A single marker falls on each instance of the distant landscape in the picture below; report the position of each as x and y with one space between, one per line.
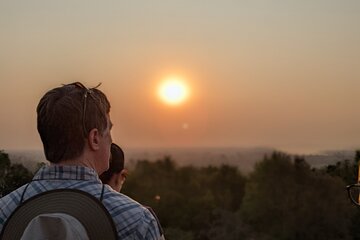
243 158
219 202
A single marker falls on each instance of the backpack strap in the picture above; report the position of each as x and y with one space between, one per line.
102 193
23 193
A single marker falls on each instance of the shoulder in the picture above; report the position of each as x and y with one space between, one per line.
130 217
9 203
156 218
12 199
120 204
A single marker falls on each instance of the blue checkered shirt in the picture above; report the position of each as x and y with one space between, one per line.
132 220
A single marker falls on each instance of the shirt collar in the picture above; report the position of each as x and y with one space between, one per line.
66 172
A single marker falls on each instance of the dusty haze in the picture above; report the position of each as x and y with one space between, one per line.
278 74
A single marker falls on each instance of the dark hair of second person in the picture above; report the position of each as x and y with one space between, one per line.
116 174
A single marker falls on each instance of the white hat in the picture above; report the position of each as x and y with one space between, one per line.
55 226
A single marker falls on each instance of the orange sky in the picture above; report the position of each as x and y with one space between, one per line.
281 74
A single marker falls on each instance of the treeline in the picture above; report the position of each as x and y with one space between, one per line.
12 176
283 198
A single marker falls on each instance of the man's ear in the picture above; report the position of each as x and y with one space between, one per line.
94 139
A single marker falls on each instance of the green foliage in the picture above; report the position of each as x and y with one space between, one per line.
16 176
4 161
4 166
347 170
178 234
357 157
286 200
12 176
184 198
283 198
230 226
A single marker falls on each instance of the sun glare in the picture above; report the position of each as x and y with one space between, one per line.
173 91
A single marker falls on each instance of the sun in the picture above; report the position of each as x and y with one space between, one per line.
173 91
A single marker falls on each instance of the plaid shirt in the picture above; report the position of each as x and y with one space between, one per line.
132 220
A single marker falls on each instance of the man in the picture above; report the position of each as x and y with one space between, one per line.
74 126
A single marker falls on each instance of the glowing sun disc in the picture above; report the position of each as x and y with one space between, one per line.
173 91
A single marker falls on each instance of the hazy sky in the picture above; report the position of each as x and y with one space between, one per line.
283 74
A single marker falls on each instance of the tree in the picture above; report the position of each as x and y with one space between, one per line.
230 226
185 198
4 161
287 200
357 156
4 166
12 176
16 176
347 170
